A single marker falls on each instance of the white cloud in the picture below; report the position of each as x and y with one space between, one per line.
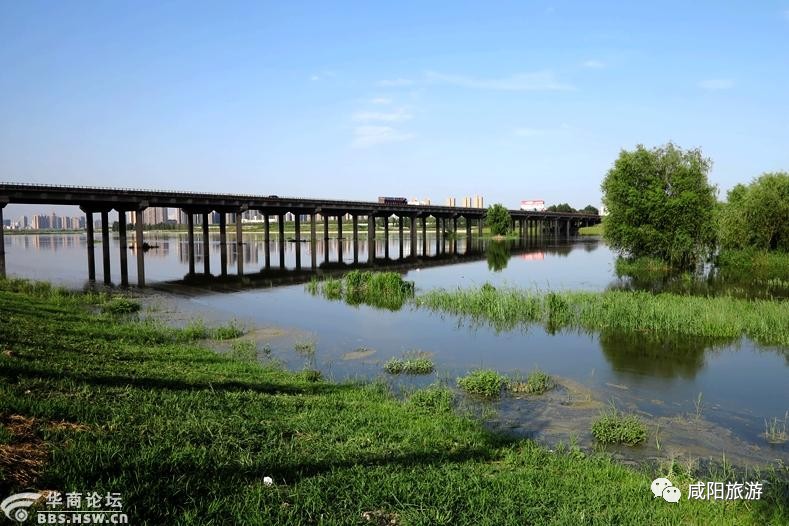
594 64
366 136
716 84
537 81
399 115
380 100
395 83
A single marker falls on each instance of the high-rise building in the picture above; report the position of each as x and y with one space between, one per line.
154 215
479 202
450 201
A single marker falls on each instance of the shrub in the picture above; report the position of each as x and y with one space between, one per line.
483 382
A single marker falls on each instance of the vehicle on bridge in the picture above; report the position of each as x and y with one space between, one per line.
533 205
392 201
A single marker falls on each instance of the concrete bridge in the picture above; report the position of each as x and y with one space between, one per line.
97 200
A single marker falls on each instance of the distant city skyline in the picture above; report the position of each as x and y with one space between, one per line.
511 101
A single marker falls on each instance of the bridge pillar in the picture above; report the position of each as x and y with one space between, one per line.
122 246
412 229
206 255
90 242
424 235
190 240
355 241
370 237
520 228
325 227
266 241
567 227
313 242
400 234
223 243
281 239
339 226
239 245
480 224
297 226
138 243
468 231
105 242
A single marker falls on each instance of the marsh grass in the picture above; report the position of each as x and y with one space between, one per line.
385 290
537 382
764 321
776 430
435 399
305 348
483 382
119 306
615 427
414 362
243 351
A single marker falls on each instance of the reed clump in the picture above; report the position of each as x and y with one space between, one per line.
385 290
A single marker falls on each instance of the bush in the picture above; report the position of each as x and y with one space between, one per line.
660 205
613 427
483 382
498 219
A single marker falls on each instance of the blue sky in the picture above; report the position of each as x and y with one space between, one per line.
511 100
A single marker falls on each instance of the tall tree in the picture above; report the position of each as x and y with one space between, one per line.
660 204
498 219
757 215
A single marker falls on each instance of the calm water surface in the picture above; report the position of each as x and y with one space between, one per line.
741 384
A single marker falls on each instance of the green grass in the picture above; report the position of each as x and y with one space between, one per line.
764 321
750 265
594 230
615 427
483 382
120 306
385 290
409 366
435 398
187 435
537 382
643 268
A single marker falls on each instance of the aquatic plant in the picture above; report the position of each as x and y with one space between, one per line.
763 321
537 382
243 351
409 365
387 290
120 305
614 427
434 398
776 431
483 382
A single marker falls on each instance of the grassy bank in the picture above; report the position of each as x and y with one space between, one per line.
594 230
753 264
763 321
97 402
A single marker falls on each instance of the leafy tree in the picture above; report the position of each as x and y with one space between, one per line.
660 204
498 219
564 207
757 215
589 209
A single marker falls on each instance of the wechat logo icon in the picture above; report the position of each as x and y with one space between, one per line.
663 487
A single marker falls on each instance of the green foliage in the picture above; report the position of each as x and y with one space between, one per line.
119 305
483 382
643 267
614 427
595 230
537 382
498 219
589 209
660 205
757 216
243 351
435 398
412 363
753 265
562 207
385 290
764 321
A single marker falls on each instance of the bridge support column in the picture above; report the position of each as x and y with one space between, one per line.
122 246
412 230
206 255
313 243
567 227
370 238
190 240
438 235
520 228
239 245
266 241
480 223
424 235
355 219
138 243
325 227
400 234
297 226
281 239
105 248
468 230
223 243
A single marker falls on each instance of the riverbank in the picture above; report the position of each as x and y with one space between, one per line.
97 401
